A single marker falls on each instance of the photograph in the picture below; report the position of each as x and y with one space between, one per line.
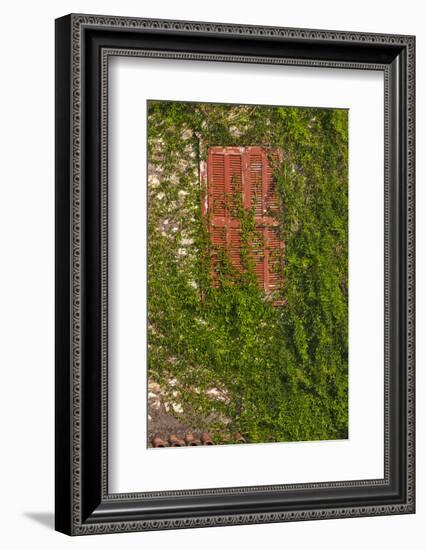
209 287
247 274
234 273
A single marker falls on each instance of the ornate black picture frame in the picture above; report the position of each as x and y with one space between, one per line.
84 44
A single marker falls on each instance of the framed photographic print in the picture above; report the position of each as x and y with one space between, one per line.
234 274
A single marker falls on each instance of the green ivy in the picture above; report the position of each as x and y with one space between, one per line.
283 371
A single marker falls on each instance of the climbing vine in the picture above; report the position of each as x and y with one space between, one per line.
233 361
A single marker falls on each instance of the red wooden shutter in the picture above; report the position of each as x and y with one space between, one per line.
216 206
233 161
224 176
244 174
261 188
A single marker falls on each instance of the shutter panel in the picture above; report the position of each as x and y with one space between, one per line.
216 208
255 180
218 245
256 183
271 195
224 197
235 177
235 246
217 184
